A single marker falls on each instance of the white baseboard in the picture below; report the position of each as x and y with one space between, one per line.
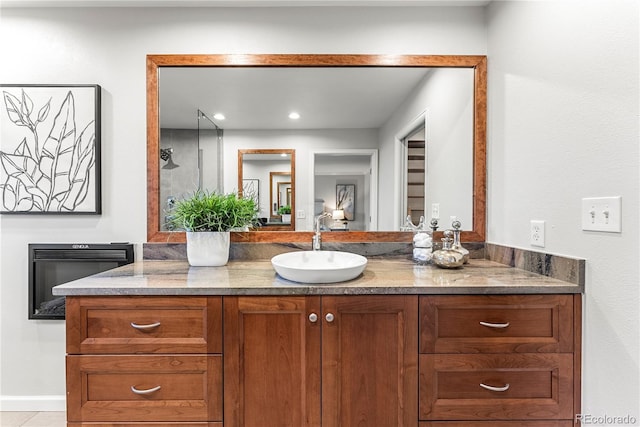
32 403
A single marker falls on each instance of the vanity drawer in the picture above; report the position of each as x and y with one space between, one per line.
132 324
496 324
496 386
545 423
143 424
157 388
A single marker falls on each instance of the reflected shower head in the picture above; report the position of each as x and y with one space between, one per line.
165 154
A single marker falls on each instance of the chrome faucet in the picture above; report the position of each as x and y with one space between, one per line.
316 242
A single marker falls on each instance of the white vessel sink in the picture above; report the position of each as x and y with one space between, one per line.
319 266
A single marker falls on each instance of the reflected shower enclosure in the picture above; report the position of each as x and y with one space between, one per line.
183 152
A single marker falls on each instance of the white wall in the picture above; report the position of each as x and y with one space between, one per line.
108 47
563 125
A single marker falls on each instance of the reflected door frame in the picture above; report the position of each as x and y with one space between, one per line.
400 161
373 181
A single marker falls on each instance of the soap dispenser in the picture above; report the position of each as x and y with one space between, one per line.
456 245
447 257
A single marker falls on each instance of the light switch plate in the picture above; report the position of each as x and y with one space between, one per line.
602 214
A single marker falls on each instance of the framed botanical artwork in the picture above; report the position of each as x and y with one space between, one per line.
346 199
50 149
251 189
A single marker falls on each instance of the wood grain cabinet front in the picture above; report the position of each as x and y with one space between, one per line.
496 324
144 325
137 388
321 361
137 360
324 361
496 386
499 360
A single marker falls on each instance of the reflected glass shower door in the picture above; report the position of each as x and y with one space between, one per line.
190 159
210 163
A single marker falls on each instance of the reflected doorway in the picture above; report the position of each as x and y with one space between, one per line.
345 184
416 155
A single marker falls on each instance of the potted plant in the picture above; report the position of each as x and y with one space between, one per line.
285 213
208 217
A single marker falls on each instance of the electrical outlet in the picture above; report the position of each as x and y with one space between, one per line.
536 236
300 214
601 214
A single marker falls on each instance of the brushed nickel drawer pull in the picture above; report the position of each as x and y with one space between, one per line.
145 327
147 391
492 388
495 325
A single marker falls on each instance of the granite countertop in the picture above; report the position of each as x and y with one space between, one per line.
382 276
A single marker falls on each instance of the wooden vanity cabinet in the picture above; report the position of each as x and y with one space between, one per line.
149 361
325 361
499 360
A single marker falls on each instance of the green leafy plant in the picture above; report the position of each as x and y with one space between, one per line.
284 210
211 211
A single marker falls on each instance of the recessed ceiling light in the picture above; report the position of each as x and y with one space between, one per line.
284 155
218 116
294 116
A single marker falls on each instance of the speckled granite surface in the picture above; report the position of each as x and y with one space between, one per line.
559 267
382 276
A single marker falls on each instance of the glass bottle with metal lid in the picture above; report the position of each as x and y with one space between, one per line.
447 257
456 245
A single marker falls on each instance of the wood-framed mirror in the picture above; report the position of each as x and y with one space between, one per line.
155 63
270 173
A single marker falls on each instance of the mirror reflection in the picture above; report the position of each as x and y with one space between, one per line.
268 177
380 108
342 104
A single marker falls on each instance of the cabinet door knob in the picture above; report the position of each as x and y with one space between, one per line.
492 388
329 317
495 325
313 318
147 391
145 327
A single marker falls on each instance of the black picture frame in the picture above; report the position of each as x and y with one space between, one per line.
50 149
346 200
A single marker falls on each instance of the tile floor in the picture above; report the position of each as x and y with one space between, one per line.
33 419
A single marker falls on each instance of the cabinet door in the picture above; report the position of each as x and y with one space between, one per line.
369 361
271 362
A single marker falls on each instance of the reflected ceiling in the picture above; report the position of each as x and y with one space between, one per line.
262 98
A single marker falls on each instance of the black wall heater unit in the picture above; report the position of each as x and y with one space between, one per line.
52 264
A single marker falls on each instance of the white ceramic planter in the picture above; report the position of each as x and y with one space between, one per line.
286 218
208 248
